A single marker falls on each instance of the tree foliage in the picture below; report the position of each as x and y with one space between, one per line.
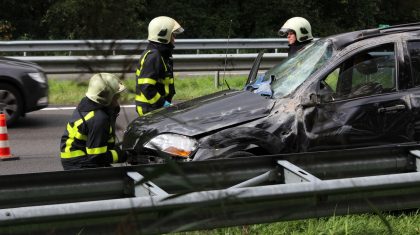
109 19
99 19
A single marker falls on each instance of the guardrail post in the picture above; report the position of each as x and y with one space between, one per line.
216 79
416 153
147 188
294 174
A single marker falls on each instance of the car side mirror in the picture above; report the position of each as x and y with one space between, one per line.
325 93
310 101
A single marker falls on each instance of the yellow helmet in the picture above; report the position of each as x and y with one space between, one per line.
103 87
161 29
300 26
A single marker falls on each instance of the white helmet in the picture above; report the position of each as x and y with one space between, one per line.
161 29
300 26
103 87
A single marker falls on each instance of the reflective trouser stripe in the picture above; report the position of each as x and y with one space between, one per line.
142 81
72 154
142 98
114 156
98 150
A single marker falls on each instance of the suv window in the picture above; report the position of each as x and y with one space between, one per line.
414 50
365 73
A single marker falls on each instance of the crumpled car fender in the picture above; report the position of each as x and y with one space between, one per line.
234 139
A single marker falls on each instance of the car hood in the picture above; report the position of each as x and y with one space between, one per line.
9 62
204 114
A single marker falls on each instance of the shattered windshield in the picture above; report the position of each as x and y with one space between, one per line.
294 71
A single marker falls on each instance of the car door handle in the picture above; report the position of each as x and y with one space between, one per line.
391 108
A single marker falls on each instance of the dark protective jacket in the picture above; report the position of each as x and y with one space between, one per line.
295 47
154 78
89 138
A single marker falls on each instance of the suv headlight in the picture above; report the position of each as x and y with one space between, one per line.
177 145
39 77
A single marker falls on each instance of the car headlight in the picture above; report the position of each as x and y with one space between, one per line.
177 145
39 77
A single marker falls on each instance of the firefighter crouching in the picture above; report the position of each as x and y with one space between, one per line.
89 138
154 75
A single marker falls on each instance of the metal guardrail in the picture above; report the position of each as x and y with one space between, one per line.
219 208
194 195
128 64
119 46
114 55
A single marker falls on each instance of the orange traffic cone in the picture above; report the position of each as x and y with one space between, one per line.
4 141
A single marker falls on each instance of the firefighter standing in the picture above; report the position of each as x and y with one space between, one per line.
154 75
299 34
89 138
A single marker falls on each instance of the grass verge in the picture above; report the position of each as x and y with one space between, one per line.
367 224
69 92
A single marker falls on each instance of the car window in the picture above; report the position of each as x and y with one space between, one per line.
414 51
366 73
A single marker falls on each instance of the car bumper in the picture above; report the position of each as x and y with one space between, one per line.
37 96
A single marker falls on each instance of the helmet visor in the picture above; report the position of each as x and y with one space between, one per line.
284 31
121 88
177 29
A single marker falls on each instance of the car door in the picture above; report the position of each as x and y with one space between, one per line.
360 102
413 69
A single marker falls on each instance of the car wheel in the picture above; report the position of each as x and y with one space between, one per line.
240 154
11 103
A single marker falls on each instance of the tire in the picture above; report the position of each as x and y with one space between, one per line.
11 103
240 154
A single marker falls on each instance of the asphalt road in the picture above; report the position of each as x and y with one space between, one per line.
36 139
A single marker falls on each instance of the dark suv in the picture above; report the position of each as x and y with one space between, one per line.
349 90
23 88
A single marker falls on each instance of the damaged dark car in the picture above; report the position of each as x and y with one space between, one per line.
350 90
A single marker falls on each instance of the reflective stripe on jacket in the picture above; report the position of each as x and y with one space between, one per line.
154 79
89 141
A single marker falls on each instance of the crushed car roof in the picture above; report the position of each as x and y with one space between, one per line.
342 40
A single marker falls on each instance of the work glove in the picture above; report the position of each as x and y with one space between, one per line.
166 104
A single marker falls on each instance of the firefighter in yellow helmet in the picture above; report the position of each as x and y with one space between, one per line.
298 32
89 137
154 75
